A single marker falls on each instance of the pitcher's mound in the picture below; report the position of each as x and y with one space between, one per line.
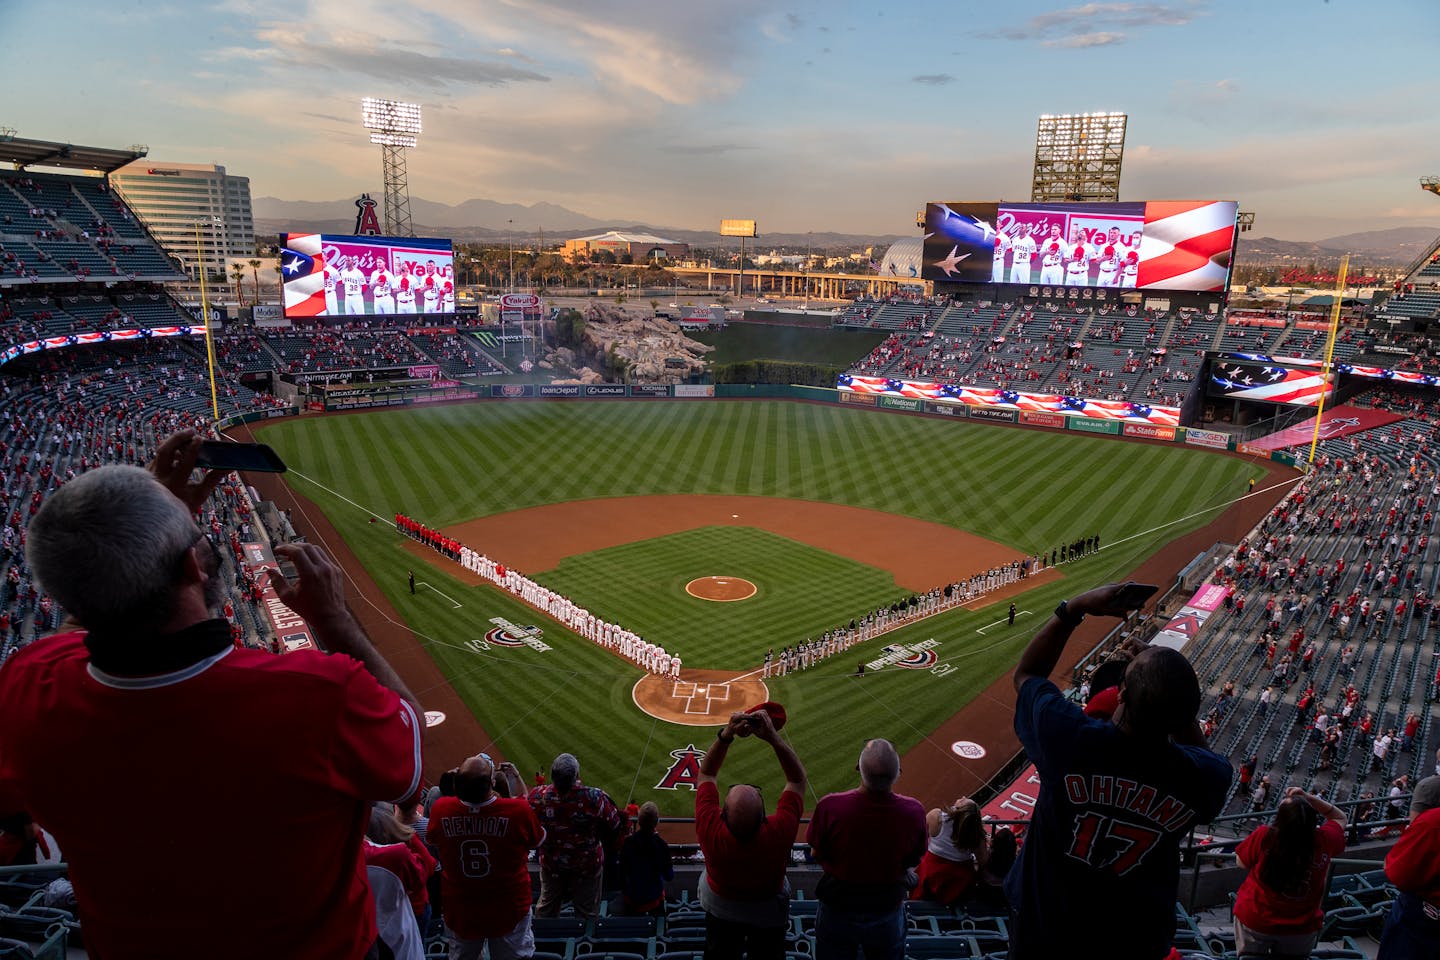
721 589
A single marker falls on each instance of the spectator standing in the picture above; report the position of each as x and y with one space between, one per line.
580 823
866 840
955 856
743 887
645 864
484 841
151 683
1116 798
1412 928
1278 908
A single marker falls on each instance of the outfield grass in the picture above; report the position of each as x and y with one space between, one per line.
1027 489
758 341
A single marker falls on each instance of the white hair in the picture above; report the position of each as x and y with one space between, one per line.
107 545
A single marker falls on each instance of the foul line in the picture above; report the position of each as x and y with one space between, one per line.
422 583
1006 619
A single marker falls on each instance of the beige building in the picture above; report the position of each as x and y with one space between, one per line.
638 247
171 197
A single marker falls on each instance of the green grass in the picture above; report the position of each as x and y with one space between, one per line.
800 592
755 341
1027 489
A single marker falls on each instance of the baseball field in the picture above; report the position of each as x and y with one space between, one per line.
827 511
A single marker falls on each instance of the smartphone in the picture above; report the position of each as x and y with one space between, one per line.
225 455
1132 596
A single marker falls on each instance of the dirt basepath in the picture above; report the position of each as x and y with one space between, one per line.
920 554
937 775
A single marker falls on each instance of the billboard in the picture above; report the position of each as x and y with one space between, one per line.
1155 245
738 228
334 276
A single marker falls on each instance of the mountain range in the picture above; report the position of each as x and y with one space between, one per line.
480 220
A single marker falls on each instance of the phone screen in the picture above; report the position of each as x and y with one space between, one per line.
224 455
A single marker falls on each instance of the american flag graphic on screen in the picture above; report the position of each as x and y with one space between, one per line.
1186 244
302 269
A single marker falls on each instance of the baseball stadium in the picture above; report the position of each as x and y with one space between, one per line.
863 504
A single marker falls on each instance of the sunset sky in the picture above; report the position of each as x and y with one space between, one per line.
1319 116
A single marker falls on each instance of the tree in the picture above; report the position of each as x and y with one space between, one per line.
237 273
255 273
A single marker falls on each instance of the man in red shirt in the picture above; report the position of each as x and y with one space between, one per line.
580 824
484 842
149 689
866 839
1412 928
743 887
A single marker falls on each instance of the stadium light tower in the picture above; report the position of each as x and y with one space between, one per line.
1078 157
394 125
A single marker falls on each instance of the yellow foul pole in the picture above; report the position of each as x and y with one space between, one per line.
1329 351
205 319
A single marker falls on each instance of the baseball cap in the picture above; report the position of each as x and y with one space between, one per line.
1426 796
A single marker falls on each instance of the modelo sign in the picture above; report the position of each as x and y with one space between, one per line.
519 301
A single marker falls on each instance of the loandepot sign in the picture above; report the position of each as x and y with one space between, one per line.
507 634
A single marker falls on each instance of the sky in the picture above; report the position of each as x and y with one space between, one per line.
1318 116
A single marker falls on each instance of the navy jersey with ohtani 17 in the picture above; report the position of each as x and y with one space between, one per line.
1105 836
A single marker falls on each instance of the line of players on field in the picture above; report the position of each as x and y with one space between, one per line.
1102 260
432 290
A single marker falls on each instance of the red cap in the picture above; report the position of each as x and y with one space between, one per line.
777 712
1102 705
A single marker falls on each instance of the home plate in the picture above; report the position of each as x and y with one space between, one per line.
700 689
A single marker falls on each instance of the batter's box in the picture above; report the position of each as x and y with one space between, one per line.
702 695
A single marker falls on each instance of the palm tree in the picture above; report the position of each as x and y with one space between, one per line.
255 272
237 273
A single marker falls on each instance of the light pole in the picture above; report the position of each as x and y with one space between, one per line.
205 312
510 285
809 241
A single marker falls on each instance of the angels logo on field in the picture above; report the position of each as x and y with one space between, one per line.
685 771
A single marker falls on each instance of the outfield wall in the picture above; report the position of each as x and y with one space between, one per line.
1191 436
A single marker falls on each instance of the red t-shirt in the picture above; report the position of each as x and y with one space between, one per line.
483 851
402 861
868 838
754 869
1413 864
1269 911
310 738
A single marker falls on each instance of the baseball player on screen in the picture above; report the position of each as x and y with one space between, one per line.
405 292
1022 250
382 288
447 294
332 277
997 259
354 280
1051 259
1077 259
1108 260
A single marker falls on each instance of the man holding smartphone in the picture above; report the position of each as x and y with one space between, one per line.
1116 797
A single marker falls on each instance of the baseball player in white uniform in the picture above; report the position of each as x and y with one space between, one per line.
447 296
1051 260
430 289
353 279
675 667
1130 271
1077 260
1108 265
382 289
1022 251
405 294
997 259
332 277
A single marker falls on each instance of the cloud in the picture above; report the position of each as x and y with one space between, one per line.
1097 24
704 149
933 79
1101 38
377 58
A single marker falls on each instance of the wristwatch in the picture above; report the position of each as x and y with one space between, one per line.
1063 614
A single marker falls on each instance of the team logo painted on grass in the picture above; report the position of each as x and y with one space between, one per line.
507 634
433 718
911 656
685 771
